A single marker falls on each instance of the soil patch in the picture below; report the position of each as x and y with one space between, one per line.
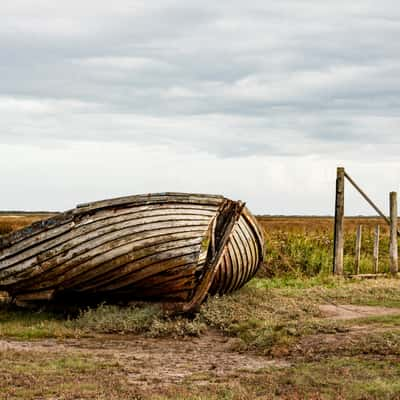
348 311
147 361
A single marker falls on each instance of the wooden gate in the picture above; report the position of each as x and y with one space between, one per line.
342 176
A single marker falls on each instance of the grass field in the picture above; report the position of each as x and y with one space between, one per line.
293 332
304 245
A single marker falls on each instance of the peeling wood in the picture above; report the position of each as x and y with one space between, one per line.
167 247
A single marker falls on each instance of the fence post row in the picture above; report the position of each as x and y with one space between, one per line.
339 225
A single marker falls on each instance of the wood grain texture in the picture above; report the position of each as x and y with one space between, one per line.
358 249
171 247
394 262
376 249
339 222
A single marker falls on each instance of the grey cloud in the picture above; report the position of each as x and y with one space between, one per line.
232 79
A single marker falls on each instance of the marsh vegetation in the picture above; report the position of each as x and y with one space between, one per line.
292 332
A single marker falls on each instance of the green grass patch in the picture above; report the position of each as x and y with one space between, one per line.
350 378
333 378
27 324
46 375
146 319
309 251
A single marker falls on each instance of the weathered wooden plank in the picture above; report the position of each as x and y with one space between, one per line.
142 269
253 225
235 264
137 198
98 261
248 263
219 282
376 249
36 296
358 248
225 265
256 239
156 274
87 232
339 222
100 254
150 199
240 254
232 213
252 243
163 246
369 201
94 239
241 263
169 277
94 267
115 212
394 262
50 271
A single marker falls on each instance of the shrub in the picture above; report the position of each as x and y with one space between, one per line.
148 319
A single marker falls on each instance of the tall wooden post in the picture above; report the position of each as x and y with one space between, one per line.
358 248
394 263
339 222
376 249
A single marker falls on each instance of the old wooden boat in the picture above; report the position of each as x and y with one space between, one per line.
170 247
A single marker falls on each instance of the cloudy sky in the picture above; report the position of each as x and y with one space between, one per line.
256 100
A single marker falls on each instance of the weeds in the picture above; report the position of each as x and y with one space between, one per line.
146 319
305 249
276 314
29 324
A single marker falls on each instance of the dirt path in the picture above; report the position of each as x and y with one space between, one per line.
157 362
348 311
154 361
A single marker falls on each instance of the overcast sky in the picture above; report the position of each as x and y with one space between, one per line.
256 100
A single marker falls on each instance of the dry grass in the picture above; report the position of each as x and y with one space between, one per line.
13 222
303 246
300 224
40 375
277 317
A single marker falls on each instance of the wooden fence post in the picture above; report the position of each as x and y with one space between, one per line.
376 249
394 263
339 222
358 249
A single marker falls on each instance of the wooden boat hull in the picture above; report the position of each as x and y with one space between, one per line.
168 247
